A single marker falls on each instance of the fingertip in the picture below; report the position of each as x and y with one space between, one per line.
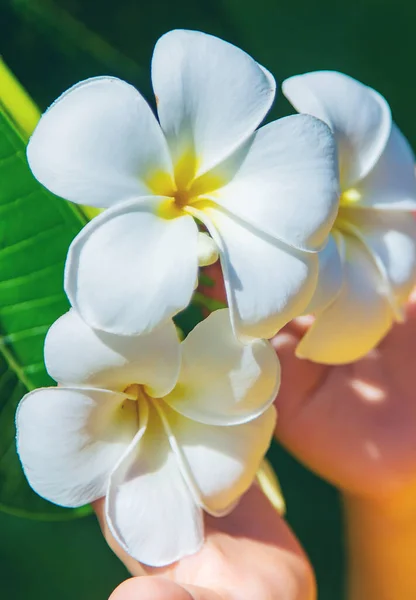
150 588
158 588
411 304
299 376
301 325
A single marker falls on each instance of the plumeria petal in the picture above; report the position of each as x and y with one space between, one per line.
130 269
222 381
211 95
391 184
207 250
330 274
358 318
267 283
76 354
391 238
284 181
359 117
150 510
220 462
98 144
69 439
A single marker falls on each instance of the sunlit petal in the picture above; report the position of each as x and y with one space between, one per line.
359 117
391 238
223 381
330 274
359 317
130 270
267 283
391 184
98 144
220 462
284 181
77 354
69 440
210 94
149 507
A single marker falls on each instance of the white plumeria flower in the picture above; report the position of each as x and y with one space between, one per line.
268 197
368 268
162 429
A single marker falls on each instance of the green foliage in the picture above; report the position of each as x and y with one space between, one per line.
35 231
67 560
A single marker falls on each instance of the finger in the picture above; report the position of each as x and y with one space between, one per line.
300 377
158 588
300 325
216 291
250 553
411 305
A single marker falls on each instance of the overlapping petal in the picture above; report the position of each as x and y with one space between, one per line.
220 462
284 181
391 238
359 117
223 382
211 95
69 440
391 184
330 274
267 283
358 318
130 269
75 354
149 506
98 144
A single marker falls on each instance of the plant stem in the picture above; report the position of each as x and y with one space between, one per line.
381 540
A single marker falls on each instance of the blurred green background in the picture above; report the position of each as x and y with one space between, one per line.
50 45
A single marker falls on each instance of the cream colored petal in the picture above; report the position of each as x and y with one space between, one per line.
359 317
223 381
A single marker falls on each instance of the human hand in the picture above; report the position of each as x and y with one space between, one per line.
249 554
352 424
355 424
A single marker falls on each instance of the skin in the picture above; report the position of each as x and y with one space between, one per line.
355 426
243 558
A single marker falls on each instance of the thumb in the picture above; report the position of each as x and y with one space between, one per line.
158 588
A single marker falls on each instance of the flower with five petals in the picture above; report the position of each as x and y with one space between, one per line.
162 429
267 197
368 268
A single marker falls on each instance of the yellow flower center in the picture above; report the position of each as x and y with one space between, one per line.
135 392
347 201
185 188
129 409
350 197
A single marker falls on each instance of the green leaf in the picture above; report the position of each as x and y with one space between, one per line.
16 103
36 229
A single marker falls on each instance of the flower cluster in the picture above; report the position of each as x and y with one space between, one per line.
307 214
368 267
